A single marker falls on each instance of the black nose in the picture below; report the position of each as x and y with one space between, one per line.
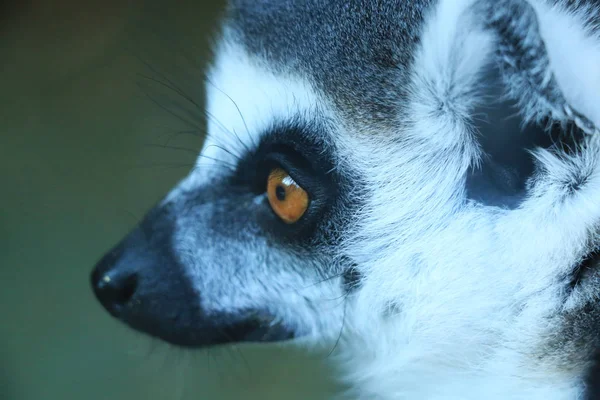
142 283
145 282
114 285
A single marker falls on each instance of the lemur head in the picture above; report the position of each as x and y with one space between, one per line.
420 178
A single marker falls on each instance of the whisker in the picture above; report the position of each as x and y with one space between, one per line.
234 155
230 165
172 134
235 350
168 110
170 147
243 358
326 279
162 164
169 85
224 129
135 219
234 104
337 342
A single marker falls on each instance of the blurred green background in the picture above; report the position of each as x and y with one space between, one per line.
82 158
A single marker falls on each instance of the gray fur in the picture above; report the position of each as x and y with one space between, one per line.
447 265
357 51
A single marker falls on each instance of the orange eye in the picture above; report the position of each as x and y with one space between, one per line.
287 198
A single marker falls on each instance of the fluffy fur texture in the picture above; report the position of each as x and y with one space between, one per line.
433 294
460 300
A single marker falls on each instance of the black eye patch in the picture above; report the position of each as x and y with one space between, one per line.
300 149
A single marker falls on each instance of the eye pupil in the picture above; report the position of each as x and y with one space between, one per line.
280 193
287 199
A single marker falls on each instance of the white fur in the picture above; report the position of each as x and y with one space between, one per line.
574 55
245 101
466 316
456 298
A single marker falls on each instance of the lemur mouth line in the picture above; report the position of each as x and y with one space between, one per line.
246 330
258 328
586 266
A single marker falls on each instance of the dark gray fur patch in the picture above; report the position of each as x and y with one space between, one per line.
357 51
525 63
575 344
593 380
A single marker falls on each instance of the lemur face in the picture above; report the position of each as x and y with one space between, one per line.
419 179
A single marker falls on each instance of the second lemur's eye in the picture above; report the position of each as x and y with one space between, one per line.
288 200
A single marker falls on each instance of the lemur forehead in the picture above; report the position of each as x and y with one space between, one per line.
356 52
245 98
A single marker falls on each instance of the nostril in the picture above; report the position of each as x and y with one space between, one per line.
114 290
128 289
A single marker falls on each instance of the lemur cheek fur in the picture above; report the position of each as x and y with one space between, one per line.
413 184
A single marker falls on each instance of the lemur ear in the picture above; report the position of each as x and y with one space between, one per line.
549 58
